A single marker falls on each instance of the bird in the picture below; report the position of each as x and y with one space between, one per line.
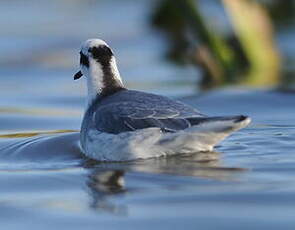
121 124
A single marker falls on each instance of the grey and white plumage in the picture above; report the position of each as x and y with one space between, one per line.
121 124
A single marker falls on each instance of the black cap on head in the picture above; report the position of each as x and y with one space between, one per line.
101 54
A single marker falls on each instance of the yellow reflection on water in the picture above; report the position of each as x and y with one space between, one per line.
31 134
41 111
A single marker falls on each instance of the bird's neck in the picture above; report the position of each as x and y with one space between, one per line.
103 79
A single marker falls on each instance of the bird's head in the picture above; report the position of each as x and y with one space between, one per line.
98 65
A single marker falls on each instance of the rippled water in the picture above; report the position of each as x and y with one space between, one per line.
248 182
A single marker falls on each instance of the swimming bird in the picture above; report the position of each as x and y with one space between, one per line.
121 124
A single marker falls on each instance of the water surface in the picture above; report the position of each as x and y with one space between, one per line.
248 180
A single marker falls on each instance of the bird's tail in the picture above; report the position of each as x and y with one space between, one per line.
220 124
205 133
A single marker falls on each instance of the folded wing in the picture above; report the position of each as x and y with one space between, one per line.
129 116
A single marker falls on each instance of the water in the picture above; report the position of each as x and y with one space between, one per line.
46 183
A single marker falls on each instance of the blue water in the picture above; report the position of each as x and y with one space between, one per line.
46 183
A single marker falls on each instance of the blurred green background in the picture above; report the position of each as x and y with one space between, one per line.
233 42
162 46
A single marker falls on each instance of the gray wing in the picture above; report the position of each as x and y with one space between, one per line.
143 111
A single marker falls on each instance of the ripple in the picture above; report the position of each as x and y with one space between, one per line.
53 149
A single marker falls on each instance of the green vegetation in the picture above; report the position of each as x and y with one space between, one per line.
248 55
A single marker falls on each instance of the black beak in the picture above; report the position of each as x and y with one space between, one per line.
78 75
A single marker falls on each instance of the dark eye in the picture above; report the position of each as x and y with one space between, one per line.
84 60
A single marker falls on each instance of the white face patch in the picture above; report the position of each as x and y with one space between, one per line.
94 80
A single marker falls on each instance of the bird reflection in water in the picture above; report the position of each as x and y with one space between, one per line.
202 165
104 184
106 180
